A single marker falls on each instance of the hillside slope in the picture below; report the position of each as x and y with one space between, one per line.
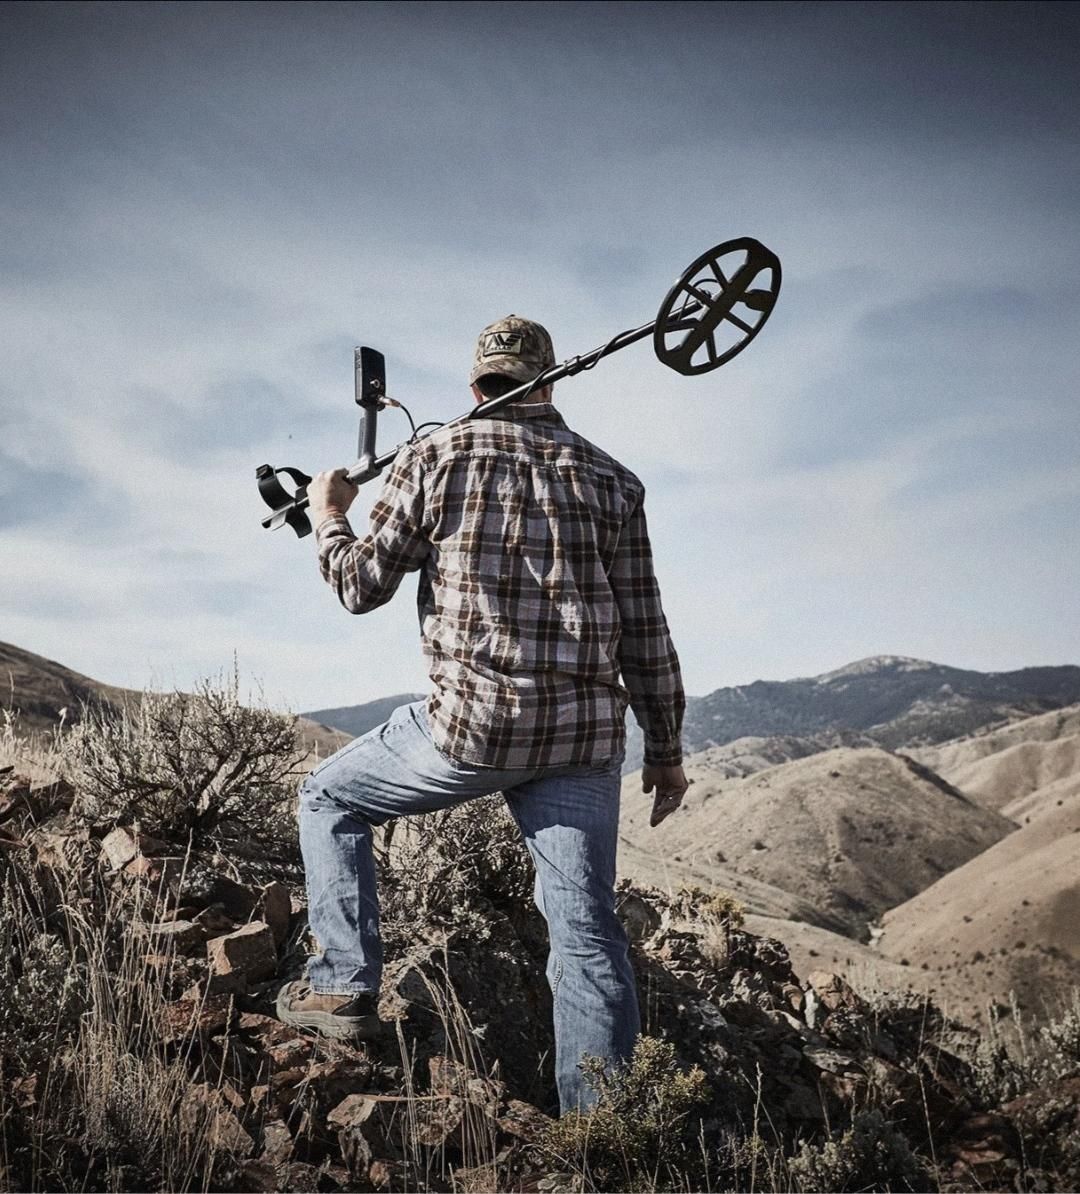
1004 765
745 756
850 832
42 692
38 689
1009 919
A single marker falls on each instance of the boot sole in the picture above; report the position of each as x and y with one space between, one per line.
342 1028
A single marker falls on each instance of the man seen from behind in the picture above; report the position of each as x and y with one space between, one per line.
540 620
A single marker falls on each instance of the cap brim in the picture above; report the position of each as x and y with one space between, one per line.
512 367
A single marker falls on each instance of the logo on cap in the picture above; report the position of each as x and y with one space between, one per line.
502 344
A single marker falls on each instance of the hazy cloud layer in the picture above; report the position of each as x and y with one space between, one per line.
206 205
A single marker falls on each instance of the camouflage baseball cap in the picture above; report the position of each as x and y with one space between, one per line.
514 347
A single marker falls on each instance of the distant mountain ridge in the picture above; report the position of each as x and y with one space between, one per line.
885 700
892 699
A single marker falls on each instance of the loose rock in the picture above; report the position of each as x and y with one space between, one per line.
249 950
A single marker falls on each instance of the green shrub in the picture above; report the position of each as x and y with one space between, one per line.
639 1135
716 907
870 1155
202 767
1058 1043
455 860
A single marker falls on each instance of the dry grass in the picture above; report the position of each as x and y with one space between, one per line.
95 1096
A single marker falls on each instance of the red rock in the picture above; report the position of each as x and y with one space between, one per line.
439 1122
214 921
449 1077
258 1174
275 904
390 1175
523 1121
249 949
277 1143
122 846
369 1126
337 1177
289 1054
165 872
206 1108
254 1022
832 991
285 1080
338 1077
140 867
216 984
301 1178
180 935
186 1018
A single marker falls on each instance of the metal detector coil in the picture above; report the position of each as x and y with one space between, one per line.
718 305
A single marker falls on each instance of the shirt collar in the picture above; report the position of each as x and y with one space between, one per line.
528 410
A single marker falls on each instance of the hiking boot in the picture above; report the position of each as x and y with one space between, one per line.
344 1017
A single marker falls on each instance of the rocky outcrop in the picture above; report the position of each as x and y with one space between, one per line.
458 1090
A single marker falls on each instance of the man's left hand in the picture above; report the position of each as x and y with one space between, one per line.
330 493
669 784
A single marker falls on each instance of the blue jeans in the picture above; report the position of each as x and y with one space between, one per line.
569 818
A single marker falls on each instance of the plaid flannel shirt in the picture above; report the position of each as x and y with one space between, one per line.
536 591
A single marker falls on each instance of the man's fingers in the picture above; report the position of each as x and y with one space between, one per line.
664 806
666 802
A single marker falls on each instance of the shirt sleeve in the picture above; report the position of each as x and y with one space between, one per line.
365 573
650 666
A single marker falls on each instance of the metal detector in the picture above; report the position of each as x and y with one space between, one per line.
718 305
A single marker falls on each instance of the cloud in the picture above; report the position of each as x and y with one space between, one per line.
210 205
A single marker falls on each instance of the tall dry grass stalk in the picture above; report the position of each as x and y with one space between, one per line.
92 1095
475 1138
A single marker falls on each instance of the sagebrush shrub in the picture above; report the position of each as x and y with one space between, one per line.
1059 1043
637 1135
201 766
871 1155
711 908
457 859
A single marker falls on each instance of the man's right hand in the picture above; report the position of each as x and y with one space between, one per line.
670 784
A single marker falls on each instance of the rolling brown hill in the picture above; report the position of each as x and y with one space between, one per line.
1007 920
1003 765
747 755
38 690
850 832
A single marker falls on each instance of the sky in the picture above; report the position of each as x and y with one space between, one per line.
204 207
